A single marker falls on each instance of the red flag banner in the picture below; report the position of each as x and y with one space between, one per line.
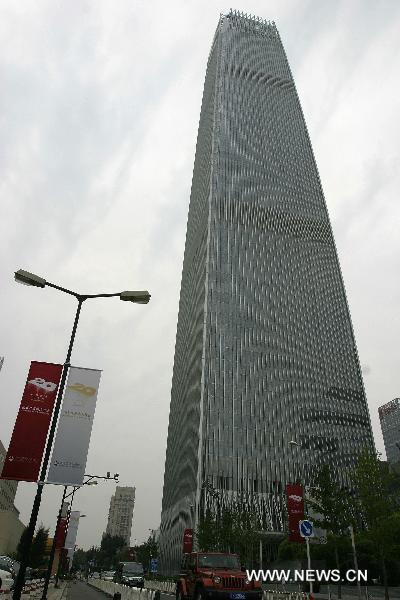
61 533
187 540
28 440
295 502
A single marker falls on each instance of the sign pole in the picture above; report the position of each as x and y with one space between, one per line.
353 544
309 564
53 547
20 579
306 529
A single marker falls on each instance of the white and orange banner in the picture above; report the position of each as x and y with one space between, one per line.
72 530
71 446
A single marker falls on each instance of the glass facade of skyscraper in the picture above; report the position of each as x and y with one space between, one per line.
265 352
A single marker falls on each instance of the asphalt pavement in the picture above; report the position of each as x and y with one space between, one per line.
373 592
82 591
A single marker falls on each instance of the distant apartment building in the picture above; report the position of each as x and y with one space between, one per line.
120 514
8 488
389 416
11 527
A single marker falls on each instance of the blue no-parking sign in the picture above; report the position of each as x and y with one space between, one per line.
153 565
306 528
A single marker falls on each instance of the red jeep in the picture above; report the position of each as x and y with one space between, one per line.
215 575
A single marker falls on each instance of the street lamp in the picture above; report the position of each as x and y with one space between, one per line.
27 278
21 276
138 297
92 480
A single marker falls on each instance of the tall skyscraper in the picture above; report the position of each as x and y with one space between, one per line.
265 352
120 514
389 416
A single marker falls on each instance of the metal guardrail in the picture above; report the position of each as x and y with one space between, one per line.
272 595
168 587
127 593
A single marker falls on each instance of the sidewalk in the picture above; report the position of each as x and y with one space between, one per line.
57 593
36 594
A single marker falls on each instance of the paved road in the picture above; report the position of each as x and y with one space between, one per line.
376 592
82 591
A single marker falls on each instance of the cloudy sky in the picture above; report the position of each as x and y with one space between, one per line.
99 110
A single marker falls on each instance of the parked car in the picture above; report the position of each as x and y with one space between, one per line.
108 575
6 580
130 573
95 575
8 564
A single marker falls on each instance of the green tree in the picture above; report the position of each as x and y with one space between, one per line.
79 562
38 557
246 528
146 551
37 554
21 544
336 508
376 493
93 558
206 533
230 527
109 548
291 550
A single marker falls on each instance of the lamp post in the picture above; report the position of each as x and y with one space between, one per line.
68 559
92 480
21 276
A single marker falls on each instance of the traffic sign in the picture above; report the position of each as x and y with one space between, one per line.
306 528
153 565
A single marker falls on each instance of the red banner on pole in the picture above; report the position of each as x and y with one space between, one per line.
61 533
187 541
28 440
295 502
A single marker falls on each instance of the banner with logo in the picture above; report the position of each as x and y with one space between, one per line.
72 530
61 533
187 541
28 440
71 446
295 502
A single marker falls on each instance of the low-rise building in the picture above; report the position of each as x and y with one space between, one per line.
11 527
8 488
